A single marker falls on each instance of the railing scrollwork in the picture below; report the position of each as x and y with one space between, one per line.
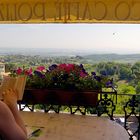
132 108
105 105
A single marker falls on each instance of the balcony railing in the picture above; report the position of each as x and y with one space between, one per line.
106 106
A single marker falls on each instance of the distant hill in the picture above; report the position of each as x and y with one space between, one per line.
45 52
127 58
80 55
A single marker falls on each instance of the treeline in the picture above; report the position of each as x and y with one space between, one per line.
119 71
127 72
37 59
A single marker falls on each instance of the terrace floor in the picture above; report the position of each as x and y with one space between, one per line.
53 126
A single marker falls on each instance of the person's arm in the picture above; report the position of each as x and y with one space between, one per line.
13 127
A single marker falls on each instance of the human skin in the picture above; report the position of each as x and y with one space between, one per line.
11 124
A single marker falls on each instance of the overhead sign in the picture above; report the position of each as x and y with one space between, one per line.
69 11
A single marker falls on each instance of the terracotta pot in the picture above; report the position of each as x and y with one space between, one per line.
60 97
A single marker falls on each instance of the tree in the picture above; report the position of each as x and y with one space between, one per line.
125 73
138 88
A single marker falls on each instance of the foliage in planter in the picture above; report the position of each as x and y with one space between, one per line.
63 76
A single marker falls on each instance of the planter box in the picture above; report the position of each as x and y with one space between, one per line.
60 97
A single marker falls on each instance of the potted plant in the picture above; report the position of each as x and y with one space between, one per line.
65 84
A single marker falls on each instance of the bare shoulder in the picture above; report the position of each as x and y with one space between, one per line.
3 106
4 111
8 122
6 117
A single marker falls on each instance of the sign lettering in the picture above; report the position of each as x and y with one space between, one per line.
69 11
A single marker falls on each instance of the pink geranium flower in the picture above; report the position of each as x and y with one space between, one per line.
40 68
19 71
29 71
67 67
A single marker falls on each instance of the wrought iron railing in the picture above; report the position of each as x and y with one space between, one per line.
132 108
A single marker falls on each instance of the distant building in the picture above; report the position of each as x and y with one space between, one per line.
2 67
2 70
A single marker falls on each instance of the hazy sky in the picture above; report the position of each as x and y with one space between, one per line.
100 38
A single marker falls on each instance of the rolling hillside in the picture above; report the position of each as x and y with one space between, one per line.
129 58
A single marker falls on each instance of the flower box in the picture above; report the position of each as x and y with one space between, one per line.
62 84
60 97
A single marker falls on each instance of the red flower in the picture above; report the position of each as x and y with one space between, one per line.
40 68
67 67
19 71
29 71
